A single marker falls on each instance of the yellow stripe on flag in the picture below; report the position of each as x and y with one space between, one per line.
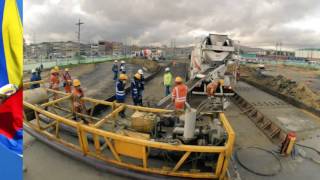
12 33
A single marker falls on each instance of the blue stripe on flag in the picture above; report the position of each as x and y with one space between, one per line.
20 7
3 65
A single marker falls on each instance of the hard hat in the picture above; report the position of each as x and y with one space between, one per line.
138 76
178 79
56 68
140 71
33 71
66 69
123 62
115 61
123 77
167 69
53 71
76 82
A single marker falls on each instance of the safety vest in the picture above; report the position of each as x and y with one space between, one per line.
167 79
120 91
135 91
54 81
142 83
179 93
66 77
122 67
115 68
78 104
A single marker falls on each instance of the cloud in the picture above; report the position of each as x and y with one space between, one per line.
257 23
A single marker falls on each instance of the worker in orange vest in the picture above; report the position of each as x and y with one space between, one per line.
179 94
77 103
54 82
67 81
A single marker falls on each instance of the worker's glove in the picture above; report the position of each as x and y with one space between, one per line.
7 91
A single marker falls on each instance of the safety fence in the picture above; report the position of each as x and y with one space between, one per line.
116 148
302 64
32 64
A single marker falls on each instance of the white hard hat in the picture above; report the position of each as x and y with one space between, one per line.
122 62
140 71
115 61
33 70
167 69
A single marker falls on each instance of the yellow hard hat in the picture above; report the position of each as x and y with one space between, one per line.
53 71
178 79
221 81
66 69
76 82
123 77
56 68
138 76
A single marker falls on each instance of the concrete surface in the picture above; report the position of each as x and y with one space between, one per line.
286 116
247 134
43 162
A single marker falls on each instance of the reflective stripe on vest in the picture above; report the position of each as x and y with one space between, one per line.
135 89
178 98
118 92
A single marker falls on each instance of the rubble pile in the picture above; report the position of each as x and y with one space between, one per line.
148 65
282 85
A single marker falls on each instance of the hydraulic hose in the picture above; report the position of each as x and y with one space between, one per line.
254 171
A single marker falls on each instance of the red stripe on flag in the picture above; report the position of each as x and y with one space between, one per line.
11 115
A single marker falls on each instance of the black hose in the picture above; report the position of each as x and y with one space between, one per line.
308 147
256 172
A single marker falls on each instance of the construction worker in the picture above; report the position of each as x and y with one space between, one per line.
78 105
179 94
115 70
54 81
122 66
124 73
142 81
67 80
167 80
57 70
136 90
120 91
34 77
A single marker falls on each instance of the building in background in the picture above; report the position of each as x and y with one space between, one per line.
312 54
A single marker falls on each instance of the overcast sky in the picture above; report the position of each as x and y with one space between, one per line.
296 23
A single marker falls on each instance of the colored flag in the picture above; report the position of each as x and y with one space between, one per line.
11 71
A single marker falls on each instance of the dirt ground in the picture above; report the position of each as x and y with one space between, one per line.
310 77
287 81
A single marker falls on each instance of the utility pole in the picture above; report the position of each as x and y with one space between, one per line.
276 51
280 44
79 31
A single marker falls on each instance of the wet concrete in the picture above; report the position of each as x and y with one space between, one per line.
248 135
286 116
99 84
42 161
